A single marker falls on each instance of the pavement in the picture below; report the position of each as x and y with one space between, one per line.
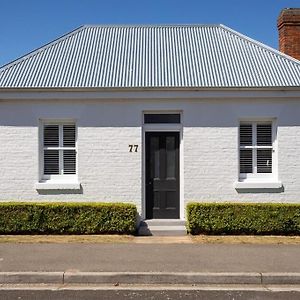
149 263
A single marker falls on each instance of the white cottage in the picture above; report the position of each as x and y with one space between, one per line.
152 115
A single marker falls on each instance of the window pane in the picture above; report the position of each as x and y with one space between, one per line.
69 161
246 161
162 118
264 161
246 135
51 162
264 134
154 159
69 135
51 135
170 153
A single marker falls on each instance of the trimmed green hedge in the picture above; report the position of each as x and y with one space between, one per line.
250 218
67 218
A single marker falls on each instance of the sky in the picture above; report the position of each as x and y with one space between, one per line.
29 24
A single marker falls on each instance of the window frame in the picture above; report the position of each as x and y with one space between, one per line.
57 177
162 115
254 176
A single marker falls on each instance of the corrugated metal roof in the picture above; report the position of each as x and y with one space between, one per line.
152 56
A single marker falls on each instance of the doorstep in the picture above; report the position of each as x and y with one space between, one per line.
162 227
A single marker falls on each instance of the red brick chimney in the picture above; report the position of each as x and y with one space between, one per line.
288 24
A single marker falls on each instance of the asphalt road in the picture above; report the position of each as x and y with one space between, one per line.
147 294
89 257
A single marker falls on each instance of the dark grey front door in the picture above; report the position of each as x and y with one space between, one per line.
162 175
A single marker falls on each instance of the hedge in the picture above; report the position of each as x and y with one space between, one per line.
67 218
250 218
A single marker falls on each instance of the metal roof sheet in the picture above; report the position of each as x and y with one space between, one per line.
158 56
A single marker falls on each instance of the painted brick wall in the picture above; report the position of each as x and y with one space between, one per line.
109 172
18 165
211 168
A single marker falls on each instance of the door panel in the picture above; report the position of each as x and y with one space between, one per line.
162 175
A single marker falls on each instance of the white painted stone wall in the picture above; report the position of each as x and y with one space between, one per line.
108 172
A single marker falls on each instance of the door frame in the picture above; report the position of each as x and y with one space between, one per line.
163 128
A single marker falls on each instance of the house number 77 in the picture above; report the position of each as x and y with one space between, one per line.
133 148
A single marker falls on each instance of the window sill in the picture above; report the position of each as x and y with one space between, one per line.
257 185
46 185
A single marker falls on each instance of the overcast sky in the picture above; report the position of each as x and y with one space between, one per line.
29 24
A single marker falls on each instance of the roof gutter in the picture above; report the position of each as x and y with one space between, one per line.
145 89
180 94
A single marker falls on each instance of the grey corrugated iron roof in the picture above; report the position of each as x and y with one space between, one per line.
155 56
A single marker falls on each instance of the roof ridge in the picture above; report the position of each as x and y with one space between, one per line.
260 44
40 49
151 25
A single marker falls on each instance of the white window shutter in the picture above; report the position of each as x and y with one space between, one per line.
51 136
246 162
246 135
264 161
59 143
264 135
51 157
69 133
256 147
264 156
246 157
69 156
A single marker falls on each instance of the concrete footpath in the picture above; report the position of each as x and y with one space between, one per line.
148 263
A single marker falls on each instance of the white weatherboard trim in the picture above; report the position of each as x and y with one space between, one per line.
164 128
143 93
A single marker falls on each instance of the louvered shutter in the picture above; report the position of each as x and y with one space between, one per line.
51 157
69 156
264 135
246 156
264 156
51 136
256 148
246 134
264 161
59 149
246 161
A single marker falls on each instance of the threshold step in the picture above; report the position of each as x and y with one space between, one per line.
162 227
163 222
